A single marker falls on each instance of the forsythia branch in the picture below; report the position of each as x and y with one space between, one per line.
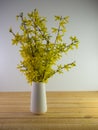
38 50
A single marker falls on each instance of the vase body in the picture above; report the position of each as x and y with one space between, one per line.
38 98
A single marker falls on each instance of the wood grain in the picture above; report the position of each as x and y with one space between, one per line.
66 111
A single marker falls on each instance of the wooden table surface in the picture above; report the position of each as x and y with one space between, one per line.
66 111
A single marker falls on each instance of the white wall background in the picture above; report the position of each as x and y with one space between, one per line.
83 23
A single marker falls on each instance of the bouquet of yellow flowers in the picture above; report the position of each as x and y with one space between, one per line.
38 50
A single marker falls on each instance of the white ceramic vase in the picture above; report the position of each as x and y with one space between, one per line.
38 98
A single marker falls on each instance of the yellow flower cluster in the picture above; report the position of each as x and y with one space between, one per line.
39 53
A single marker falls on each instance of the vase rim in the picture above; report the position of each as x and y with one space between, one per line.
38 82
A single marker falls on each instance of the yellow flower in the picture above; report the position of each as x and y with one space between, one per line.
40 50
